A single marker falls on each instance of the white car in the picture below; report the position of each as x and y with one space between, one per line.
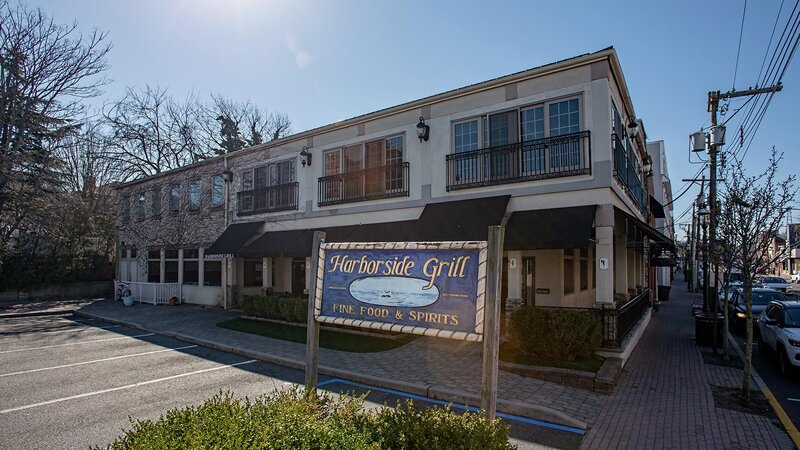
796 276
777 283
779 333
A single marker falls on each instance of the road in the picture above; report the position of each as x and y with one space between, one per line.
72 382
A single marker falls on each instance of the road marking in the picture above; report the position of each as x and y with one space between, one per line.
119 388
793 399
75 343
96 361
791 429
68 331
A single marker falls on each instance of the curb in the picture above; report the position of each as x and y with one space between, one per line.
537 412
787 423
37 313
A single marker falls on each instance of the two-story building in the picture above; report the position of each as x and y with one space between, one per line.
552 153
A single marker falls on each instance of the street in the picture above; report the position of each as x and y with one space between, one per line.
72 382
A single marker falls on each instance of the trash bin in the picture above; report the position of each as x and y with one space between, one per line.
704 329
663 293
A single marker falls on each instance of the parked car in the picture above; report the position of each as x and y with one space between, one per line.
777 283
737 311
779 333
796 276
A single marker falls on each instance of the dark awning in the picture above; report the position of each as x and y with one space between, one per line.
462 220
232 239
292 243
652 233
550 228
657 208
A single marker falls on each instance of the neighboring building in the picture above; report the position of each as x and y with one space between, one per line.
661 211
545 152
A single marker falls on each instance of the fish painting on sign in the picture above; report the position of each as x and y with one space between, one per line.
394 291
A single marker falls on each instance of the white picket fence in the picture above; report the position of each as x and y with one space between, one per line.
155 293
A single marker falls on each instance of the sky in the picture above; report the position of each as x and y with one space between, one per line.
324 61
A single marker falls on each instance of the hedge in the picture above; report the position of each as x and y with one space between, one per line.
554 332
290 419
289 309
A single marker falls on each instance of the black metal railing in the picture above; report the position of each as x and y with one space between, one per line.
367 184
558 156
617 323
283 197
629 173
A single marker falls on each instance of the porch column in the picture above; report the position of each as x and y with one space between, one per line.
201 266
162 268
308 274
180 266
266 273
604 249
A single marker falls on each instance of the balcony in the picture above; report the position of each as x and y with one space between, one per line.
552 157
627 171
283 197
362 185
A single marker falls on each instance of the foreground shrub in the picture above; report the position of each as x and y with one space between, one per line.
289 420
554 332
289 309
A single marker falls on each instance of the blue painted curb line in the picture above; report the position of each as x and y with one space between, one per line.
464 407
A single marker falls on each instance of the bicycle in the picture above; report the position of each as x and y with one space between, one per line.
123 290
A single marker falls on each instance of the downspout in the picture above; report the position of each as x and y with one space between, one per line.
225 191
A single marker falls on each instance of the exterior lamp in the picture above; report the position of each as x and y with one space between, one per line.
647 166
227 176
423 131
633 127
306 161
703 212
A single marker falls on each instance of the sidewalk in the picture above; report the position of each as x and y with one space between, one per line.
15 308
436 368
663 398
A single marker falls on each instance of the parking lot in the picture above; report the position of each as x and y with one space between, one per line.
72 382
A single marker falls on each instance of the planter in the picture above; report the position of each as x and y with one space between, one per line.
127 300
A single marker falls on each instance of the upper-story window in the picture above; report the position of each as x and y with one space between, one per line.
216 190
269 188
156 202
126 208
532 142
140 206
194 194
175 198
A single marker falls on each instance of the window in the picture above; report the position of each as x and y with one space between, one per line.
133 253
174 198
216 190
126 208
157 202
564 119
170 266
252 272
466 136
140 206
569 271
584 268
194 194
532 128
191 266
333 164
154 266
259 183
246 200
212 273
281 174
394 160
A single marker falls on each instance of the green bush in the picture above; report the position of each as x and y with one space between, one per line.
289 309
554 332
290 419
249 304
286 307
271 310
301 310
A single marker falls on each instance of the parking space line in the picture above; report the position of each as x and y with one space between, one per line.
128 386
68 331
74 343
97 360
793 399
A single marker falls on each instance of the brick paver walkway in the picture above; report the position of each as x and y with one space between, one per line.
664 401
434 363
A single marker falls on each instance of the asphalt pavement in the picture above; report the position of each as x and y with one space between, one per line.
71 382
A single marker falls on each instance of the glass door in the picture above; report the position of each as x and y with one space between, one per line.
529 280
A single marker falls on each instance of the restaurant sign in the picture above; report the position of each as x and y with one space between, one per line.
431 289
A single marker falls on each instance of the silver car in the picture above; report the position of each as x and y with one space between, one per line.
777 283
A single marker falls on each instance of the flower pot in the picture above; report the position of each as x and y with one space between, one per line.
127 300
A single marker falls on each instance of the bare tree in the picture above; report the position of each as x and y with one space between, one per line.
46 70
149 132
84 166
230 126
754 208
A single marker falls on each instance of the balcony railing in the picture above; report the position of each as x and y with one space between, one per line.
558 156
368 184
628 172
283 197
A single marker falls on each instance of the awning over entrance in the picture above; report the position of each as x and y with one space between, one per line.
657 208
232 239
550 228
659 238
463 220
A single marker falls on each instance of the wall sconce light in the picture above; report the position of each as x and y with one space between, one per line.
647 166
633 127
306 161
423 131
227 176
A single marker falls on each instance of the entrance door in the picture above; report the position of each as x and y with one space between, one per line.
298 276
529 280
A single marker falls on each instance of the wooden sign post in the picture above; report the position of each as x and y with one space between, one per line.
491 330
312 330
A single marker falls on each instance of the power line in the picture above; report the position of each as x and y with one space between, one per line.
739 48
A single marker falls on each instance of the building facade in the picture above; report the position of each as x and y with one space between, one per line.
547 152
